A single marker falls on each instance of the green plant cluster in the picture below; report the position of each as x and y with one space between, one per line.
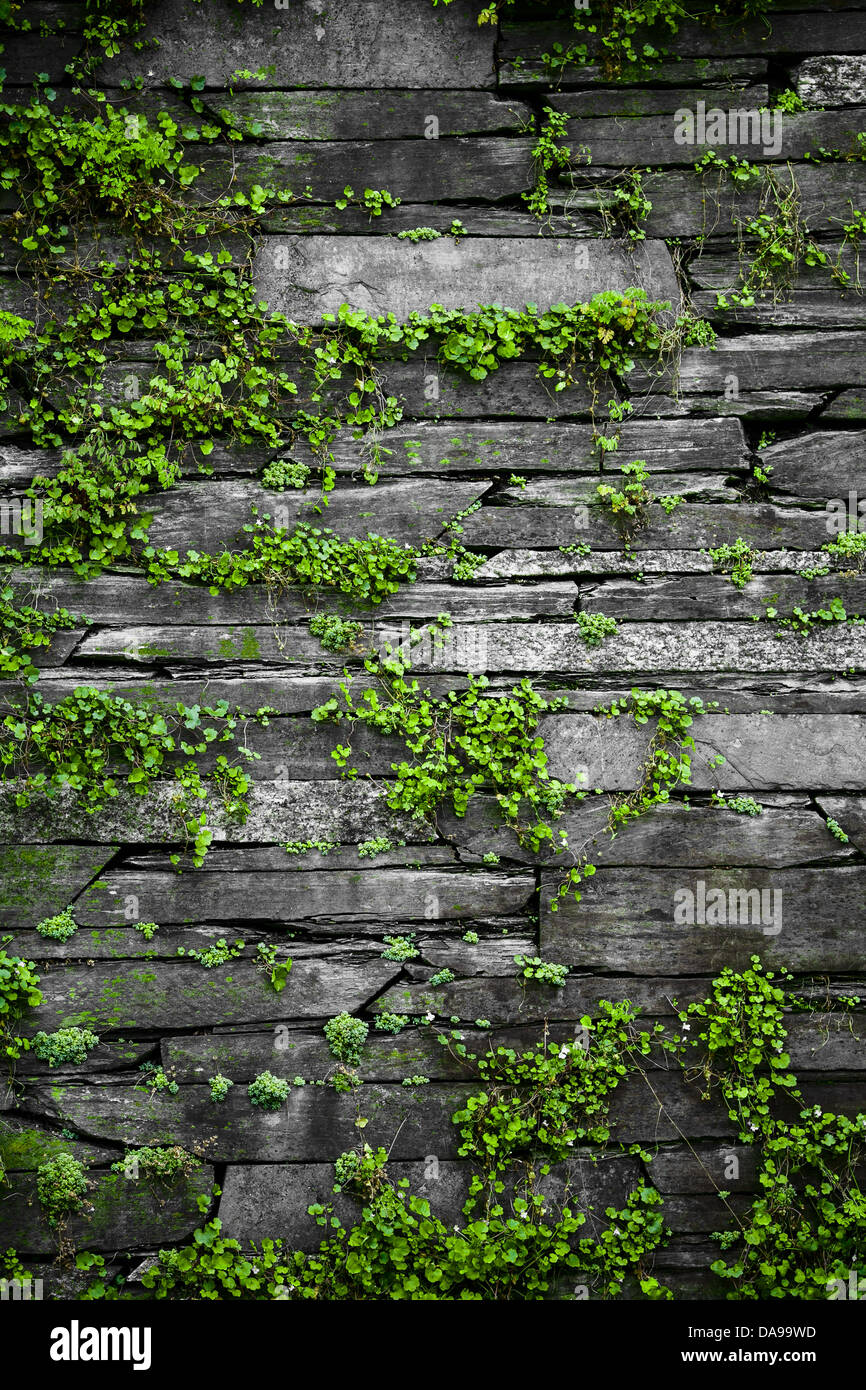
157 1165
92 744
457 744
628 38
68 1046
335 634
628 505
268 1091
545 972
594 627
61 927
346 1037
19 991
805 1227
61 1188
737 560
24 629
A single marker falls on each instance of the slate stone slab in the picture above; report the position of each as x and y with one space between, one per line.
364 43
304 277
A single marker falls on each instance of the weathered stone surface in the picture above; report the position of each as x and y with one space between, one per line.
209 516
480 646
122 1213
689 204
632 102
828 464
315 1124
847 405
831 80
710 597
694 525
850 812
704 1168
522 66
644 647
271 1200
825 308
37 882
527 448
782 136
305 277
536 564
802 360
280 811
24 1145
382 115
805 919
760 750
128 601
672 835
488 168
364 43
157 994
291 1052
388 895
566 491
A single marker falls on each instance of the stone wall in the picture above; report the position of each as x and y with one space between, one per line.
349 99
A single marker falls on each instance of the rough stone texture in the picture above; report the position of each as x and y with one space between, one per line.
304 277
402 43
516 464
832 80
644 140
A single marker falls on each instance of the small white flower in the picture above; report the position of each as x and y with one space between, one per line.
687 1027
429 1017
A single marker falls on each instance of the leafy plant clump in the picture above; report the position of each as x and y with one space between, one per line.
335 634
268 1091
545 972
456 744
737 560
61 1187
158 1165
346 1037
92 743
68 1046
628 504
23 630
219 1087
400 948
60 927
594 627
804 1231
19 991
